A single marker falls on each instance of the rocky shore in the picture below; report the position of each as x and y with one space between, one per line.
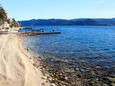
76 72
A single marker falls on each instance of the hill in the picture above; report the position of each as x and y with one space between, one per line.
82 21
6 23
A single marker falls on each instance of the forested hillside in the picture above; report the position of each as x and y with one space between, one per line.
6 22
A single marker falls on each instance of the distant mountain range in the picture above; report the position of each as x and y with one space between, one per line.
78 22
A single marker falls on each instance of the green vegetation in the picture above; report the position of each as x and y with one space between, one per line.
3 16
14 23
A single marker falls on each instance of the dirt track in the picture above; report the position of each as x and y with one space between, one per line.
16 67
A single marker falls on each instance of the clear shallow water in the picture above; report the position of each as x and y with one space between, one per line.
94 43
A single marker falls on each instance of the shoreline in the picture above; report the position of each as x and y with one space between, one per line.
64 72
17 66
75 72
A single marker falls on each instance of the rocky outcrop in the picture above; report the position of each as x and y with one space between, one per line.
6 23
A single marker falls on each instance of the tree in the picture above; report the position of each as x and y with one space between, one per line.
14 23
3 15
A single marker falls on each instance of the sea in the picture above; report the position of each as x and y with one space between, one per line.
92 43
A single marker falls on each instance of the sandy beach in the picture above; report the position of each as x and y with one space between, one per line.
16 64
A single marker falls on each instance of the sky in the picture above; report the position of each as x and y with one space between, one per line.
59 9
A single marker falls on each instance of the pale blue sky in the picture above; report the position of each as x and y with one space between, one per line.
65 9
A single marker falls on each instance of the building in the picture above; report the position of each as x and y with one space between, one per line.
5 27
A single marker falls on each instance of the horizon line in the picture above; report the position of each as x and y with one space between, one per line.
62 18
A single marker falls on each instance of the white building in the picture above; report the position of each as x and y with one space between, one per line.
4 27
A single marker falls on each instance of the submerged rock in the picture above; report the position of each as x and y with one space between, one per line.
76 72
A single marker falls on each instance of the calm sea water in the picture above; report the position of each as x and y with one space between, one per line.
95 43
